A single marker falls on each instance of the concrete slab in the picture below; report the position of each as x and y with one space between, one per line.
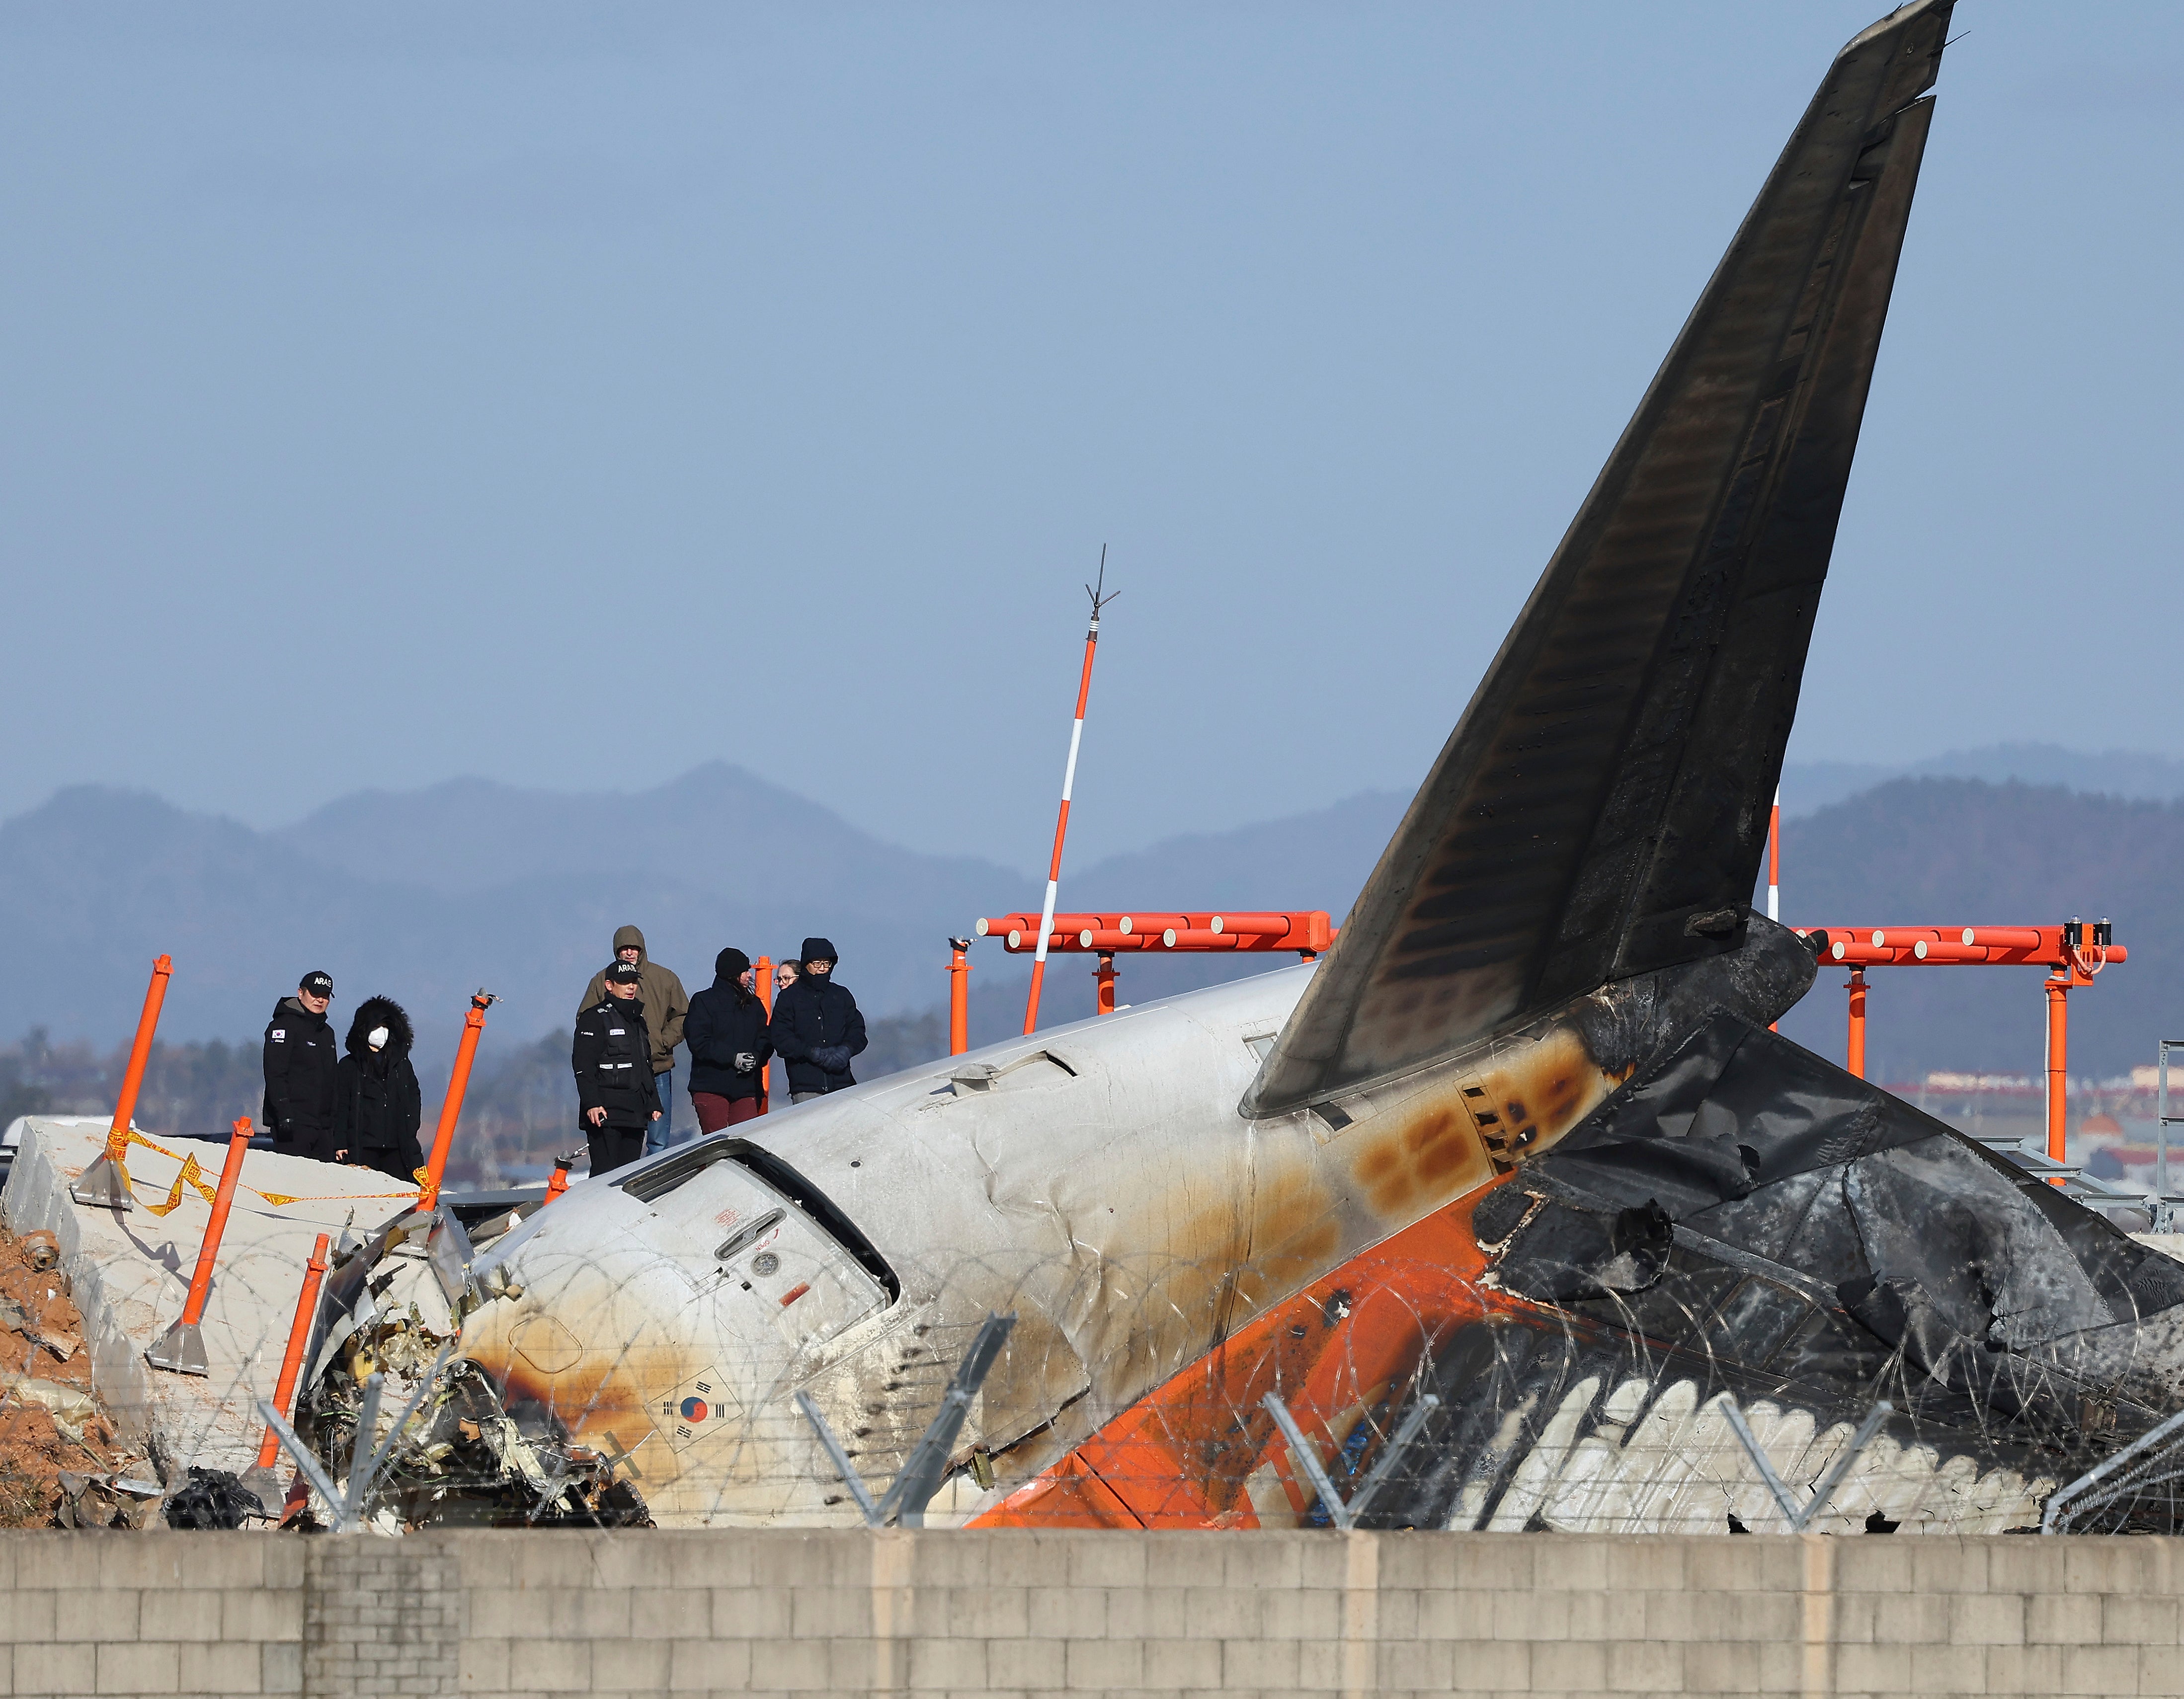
130 1274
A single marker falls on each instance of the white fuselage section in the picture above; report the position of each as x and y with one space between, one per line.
1097 1181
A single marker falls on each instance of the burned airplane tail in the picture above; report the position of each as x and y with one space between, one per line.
1599 810
1543 1034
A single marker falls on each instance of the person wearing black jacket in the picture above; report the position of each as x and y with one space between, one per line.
726 1031
300 1060
816 1027
617 1099
377 1107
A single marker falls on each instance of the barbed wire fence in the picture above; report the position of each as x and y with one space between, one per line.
618 1387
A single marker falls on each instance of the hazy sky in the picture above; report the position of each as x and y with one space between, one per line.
573 394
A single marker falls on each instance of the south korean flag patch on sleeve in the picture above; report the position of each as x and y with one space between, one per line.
279 1035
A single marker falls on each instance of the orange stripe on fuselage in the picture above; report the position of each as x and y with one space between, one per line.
1180 1457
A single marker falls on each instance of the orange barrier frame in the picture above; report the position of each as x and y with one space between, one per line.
291 1362
2073 962
106 1181
1307 932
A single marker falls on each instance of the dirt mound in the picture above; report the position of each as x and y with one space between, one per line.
59 1461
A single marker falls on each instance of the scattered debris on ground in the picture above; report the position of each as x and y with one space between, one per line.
214 1499
60 1464
451 1453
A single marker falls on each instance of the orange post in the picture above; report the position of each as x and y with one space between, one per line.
959 997
451 1107
107 1181
1855 984
2059 1058
299 1334
763 979
1106 976
182 1348
559 1183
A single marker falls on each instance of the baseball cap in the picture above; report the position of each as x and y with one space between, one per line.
317 982
623 973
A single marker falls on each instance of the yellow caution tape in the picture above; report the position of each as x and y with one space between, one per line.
188 1176
191 1172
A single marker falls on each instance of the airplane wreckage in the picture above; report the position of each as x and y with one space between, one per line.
1513 1201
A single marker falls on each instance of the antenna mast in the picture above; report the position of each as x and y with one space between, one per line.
1101 598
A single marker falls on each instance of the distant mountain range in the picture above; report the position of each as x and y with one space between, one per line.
1962 852
1810 784
427 895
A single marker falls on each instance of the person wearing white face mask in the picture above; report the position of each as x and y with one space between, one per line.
377 1107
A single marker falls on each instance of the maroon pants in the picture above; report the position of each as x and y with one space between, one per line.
716 1112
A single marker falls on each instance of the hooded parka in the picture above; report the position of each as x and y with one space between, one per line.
725 1022
816 1027
665 1002
300 1060
377 1107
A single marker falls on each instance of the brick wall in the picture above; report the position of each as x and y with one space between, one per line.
1011 1611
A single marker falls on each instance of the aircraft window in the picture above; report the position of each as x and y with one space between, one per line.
1260 1046
656 1181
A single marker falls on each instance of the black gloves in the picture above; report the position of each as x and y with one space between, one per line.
834 1058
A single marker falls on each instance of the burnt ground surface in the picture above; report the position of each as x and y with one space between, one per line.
50 1462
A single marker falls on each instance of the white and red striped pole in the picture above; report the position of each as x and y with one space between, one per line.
1774 857
1068 783
1775 871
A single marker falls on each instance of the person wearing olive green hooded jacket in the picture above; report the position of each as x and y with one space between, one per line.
665 1004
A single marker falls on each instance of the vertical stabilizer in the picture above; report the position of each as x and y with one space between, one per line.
1601 808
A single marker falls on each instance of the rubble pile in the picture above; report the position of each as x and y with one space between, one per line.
61 1463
